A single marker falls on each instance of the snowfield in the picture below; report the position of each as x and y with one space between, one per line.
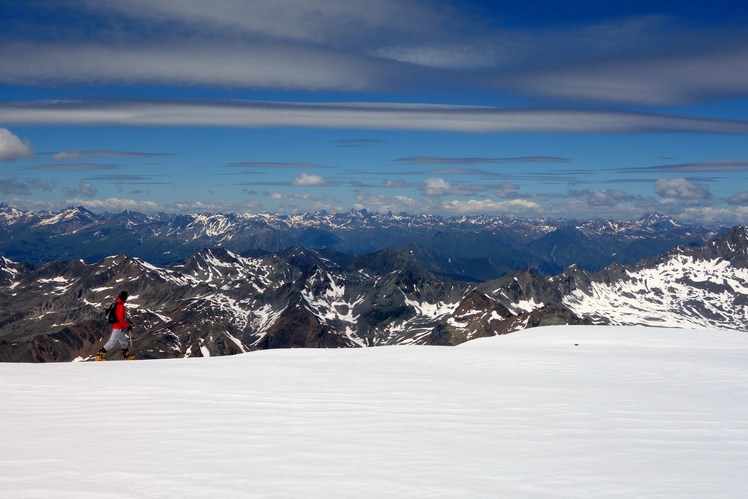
568 411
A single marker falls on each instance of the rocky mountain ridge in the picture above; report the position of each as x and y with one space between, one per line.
218 302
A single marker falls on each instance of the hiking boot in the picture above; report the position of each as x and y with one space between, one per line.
127 355
100 355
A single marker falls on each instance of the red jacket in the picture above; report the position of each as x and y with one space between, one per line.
119 312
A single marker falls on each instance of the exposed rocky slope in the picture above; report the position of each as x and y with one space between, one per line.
219 302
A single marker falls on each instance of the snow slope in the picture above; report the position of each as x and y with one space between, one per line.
550 412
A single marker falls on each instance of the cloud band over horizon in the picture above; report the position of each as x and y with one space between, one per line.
349 115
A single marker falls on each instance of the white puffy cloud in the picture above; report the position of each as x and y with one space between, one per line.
113 204
395 183
395 204
309 180
713 215
511 207
295 196
740 198
11 147
506 190
681 188
14 186
436 187
85 190
603 198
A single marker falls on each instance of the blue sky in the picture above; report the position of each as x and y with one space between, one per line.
533 109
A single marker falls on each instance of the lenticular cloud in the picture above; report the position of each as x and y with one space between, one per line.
362 115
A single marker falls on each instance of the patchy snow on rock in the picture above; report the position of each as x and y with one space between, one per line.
525 306
210 225
262 318
58 279
236 341
430 310
678 292
203 348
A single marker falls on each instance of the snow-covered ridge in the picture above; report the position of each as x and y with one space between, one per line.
77 215
680 291
218 224
451 245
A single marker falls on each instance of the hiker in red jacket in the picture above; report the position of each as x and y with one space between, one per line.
120 330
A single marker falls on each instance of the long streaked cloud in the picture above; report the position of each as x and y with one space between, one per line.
343 115
738 165
82 155
72 167
439 160
656 81
11 147
449 171
295 44
273 165
127 179
191 63
307 21
356 32
389 44
358 142
442 171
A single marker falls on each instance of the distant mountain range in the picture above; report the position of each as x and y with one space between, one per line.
467 248
219 302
